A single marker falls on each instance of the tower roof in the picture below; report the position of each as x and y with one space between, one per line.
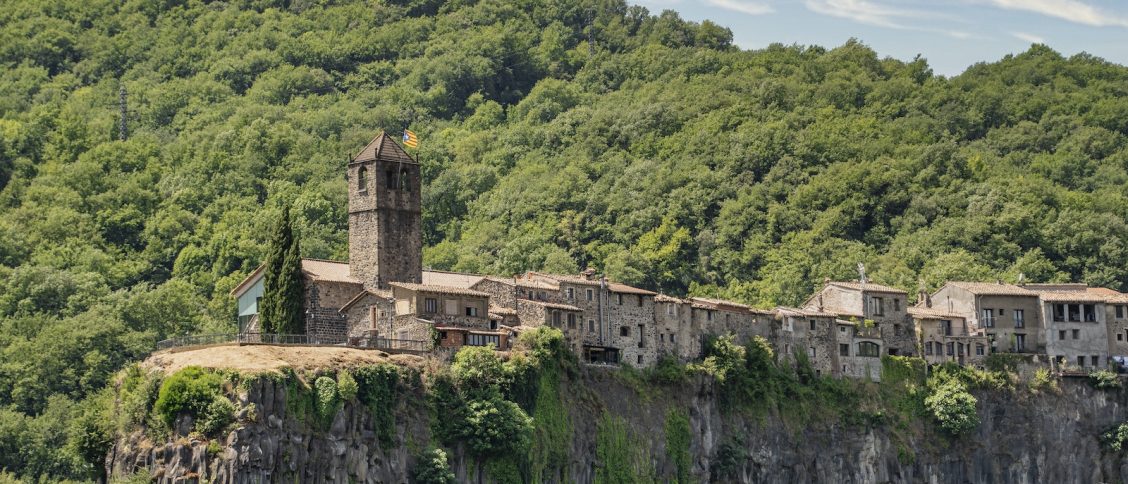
383 147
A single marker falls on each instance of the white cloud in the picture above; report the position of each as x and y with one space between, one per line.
743 6
1025 37
1071 10
863 11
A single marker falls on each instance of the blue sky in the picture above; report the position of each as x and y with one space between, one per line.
951 34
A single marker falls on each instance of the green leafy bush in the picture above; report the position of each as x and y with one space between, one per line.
1104 379
327 398
433 468
494 426
678 439
218 415
1115 438
1043 379
953 407
190 390
347 387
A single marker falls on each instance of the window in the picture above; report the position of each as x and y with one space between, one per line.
430 305
670 309
946 327
390 177
591 325
640 300
869 348
620 298
672 339
661 337
1061 335
472 311
877 306
1119 337
442 335
1001 312
988 318
624 331
493 324
841 329
1096 360
403 181
1119 311
708 315
556 318
896 304
362 180
896 329
928 348
483 340
959 349
1019 342
978 350
1059 312
640 359
843 349
571 321
1076 334
1090 313
812 325
590 294
951 349
1019 318
542 296
811 351
1073 312
1081 361
571 294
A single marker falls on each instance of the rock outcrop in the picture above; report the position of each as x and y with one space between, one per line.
1022 438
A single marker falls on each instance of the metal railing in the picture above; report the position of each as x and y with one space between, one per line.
367 342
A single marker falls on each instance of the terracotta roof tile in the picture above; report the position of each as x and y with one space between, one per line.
710 303
802 312
379 293
451 279
439 289
327 270
563 307
383 147
625 289
1071 296
869 286
991 288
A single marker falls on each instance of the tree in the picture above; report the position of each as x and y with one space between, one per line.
283 295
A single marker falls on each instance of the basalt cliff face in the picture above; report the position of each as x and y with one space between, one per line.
1022 438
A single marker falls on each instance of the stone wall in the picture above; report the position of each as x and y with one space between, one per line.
632 328
820 343
360 316
324 301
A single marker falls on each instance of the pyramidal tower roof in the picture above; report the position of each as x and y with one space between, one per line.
383 147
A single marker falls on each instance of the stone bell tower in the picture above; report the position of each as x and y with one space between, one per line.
385 215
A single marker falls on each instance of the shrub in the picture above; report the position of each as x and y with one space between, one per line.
678 439
1104 379
723 358
432 468
1043 379
477 368
346 386
668 371
495 426
953 407
1115 437
377 390
218 414
189 390
327 398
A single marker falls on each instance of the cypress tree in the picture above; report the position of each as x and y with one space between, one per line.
283 294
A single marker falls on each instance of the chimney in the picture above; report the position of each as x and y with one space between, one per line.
588 274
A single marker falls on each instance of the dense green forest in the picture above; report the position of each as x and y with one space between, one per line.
555 135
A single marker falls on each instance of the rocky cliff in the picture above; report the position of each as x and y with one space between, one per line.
1023 437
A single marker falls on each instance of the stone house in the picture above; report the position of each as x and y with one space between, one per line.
1116 321
810 333
328 287
859 350
1008 315
944 337
1074 321
884 305
673 321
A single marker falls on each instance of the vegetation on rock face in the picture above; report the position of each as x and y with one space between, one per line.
1105 379
814 159
432 468
678 439
189 391
953 407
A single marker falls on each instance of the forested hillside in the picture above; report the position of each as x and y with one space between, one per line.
555 135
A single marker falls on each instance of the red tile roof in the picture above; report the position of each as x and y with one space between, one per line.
869 286
439 289
382 147
991 288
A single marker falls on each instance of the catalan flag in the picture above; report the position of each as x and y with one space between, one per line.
409 139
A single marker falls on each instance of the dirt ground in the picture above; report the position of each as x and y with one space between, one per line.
262 358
